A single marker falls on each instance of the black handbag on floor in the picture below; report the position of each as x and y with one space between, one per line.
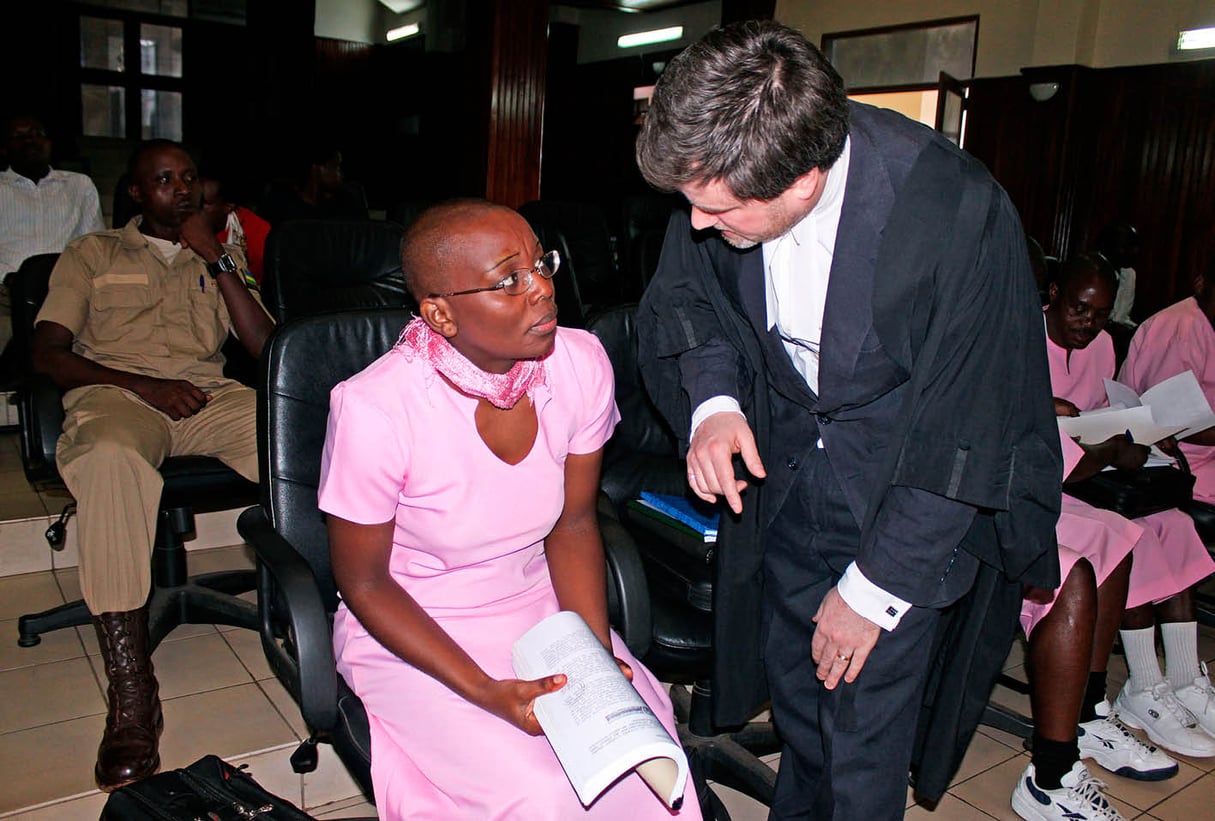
1137 493
210 789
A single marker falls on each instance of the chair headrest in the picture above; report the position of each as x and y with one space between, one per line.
641 429
303 361
320 266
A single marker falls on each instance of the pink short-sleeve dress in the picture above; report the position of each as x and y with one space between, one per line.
1180 338
468 546
1169 557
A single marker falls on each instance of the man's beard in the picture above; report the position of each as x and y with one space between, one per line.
739 242
782 222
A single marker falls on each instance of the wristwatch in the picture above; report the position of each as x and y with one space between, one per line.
225 264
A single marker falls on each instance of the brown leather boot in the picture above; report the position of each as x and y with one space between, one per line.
128 750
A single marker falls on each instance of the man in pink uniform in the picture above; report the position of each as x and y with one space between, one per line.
1071 632
1169 558
1182 338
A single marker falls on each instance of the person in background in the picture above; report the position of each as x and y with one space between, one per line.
1182 338
1169 558
1040 267
131 330
42 209
1119 244
317 190
235 225
1070 637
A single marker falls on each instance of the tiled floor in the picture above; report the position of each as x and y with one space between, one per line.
220 697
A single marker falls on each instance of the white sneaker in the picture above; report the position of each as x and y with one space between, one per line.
1107 741
1199 699
1166 720
1079 799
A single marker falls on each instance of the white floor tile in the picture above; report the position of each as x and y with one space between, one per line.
329 782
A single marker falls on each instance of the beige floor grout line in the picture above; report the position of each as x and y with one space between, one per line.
45 804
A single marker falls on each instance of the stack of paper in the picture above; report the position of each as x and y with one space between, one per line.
1175 407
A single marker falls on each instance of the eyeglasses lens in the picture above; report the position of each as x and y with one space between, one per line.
546 266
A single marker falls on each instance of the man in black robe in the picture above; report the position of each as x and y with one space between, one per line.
848 311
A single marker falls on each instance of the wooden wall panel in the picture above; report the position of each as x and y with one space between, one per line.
516 107
1132 144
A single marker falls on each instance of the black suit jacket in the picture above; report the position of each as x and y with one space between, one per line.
934 393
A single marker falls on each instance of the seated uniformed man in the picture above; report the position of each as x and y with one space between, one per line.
131 329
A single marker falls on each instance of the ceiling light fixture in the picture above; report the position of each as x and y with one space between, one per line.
402 32
1193 39
645 38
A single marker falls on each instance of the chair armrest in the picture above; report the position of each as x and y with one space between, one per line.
40 408
283 574
628 590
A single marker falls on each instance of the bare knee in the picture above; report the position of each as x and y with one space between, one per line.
1075 609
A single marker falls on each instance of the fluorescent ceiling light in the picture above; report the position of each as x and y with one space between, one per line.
645 38
1196 38
403 32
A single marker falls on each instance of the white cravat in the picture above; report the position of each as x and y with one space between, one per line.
797 267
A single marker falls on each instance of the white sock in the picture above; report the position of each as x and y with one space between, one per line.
1140 648
1181 652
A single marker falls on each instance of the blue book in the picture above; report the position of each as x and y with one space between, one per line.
681 510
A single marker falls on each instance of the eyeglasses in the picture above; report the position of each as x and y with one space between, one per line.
519 281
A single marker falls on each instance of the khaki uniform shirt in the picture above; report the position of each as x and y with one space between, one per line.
130 310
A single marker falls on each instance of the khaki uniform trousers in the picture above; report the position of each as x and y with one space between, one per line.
109 454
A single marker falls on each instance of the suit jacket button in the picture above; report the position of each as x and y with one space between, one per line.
791 463
824 419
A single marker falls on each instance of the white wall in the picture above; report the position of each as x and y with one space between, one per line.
357 20
1131 32
1020 33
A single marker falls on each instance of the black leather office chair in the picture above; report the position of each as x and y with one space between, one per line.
589 279
677 570
405 212
644 219
192 484
323 266
303 361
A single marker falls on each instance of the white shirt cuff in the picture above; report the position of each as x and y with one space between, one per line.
883 609
712 405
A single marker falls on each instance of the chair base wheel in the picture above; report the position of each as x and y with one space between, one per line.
305 758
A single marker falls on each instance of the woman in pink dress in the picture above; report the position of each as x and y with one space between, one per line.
460 478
